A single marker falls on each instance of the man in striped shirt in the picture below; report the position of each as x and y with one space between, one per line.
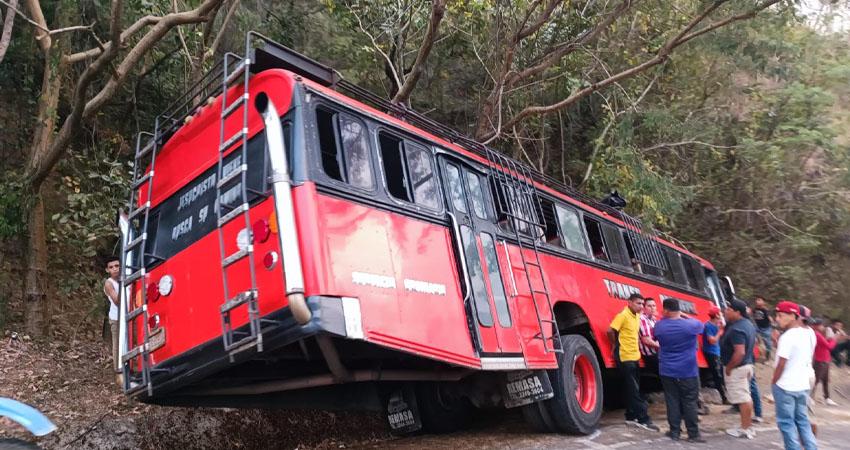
647 343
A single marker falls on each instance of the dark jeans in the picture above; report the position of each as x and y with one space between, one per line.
715 374
843 347
680 395
635 406
822 377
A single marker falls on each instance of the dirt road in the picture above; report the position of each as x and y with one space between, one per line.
509 431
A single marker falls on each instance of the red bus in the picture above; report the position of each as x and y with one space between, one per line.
290 246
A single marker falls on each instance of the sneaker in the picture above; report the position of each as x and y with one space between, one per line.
672 435
648 426
749 433
758 419
631 422
830 402
696 440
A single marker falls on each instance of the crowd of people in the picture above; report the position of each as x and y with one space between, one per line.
802 347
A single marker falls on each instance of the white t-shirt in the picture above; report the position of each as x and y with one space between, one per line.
113 308
797 346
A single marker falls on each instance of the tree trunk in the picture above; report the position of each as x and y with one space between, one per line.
6 35
34 290
36 253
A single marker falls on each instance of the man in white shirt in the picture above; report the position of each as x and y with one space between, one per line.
112 288
791 379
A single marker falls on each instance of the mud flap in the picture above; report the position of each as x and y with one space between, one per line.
402 412
524 387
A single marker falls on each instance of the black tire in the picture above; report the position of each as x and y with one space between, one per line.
442 407
17 444
537 415
569 414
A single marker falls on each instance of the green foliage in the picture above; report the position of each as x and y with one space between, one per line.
13 202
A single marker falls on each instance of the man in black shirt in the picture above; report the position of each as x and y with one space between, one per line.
761 315
736 355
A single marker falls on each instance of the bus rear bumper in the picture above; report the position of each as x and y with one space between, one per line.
331 316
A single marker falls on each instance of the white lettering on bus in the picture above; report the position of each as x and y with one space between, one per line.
198 190
620 290
424 287
231 194
203 213
181 228
371 279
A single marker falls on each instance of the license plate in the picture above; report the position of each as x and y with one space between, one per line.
402 413
525 387
156 339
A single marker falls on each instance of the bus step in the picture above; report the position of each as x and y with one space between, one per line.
141 181
135 276
136 351
233 139
240 299
243 344
237 72
135 242
136 312
232 214
230 260
138 212
233 107
232 175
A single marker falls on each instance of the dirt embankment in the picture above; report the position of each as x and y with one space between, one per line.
74 387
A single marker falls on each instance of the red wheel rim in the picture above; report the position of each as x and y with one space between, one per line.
585 383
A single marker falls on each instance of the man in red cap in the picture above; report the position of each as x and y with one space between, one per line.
711 350
791 374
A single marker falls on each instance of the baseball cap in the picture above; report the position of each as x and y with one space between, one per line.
804 311
788 307
739 305
713 311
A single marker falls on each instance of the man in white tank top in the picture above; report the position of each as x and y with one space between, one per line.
112 288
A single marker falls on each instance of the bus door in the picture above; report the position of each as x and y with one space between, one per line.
472 222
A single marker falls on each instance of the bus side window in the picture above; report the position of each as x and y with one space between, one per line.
571 229
344 147
630 251
616 246
594 235
550 234
693 270
676 267
409 171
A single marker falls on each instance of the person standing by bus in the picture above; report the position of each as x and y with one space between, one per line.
764 326
111 287
679 371
736 355
711 334
821 361
623 334
648 345
790 384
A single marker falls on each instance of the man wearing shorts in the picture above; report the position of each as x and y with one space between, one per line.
736 355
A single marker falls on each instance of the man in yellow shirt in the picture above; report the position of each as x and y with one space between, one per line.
623 334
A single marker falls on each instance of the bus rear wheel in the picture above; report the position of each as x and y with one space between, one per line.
442 407
577 382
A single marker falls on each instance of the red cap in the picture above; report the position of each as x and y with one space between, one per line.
713 311
788 307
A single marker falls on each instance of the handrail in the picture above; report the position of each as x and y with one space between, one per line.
462 253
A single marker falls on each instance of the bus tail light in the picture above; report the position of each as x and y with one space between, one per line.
153 291
261 230
166 284
153 322
270 260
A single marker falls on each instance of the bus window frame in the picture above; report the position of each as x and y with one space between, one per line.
588 252
314 152
426 145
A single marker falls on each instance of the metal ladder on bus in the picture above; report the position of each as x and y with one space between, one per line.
519 202
137 267
236 179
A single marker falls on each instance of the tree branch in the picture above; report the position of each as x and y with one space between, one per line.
129 32
680 38
6 36
81 109
679 144
541 20
438 10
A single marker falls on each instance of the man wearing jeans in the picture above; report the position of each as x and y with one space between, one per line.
736 355
790 385
624 331
763 321
677 361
